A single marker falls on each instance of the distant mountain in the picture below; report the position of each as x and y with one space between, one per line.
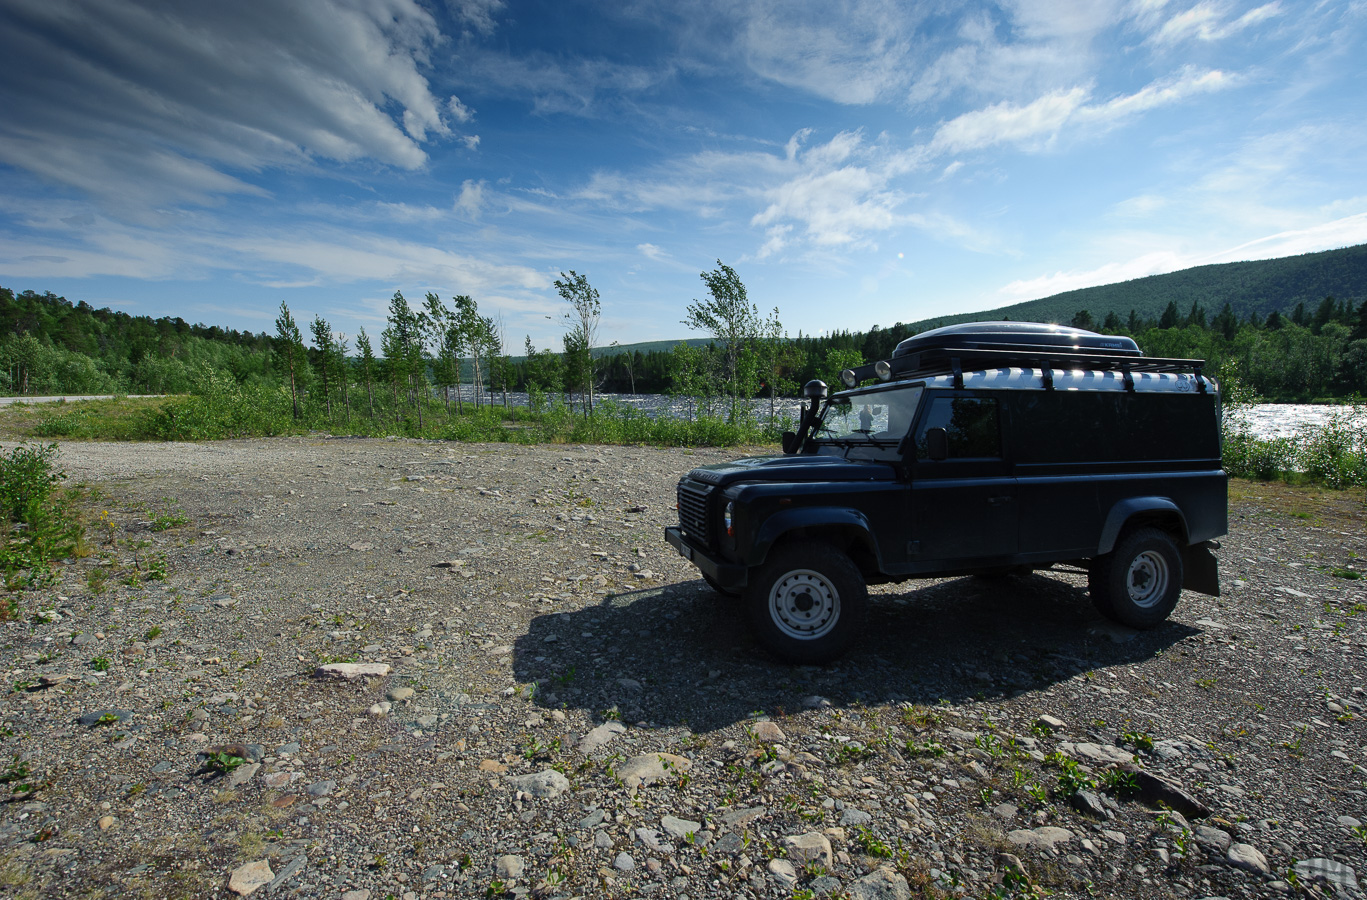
1250 288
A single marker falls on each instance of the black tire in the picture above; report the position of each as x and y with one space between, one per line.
1138 583
725 592
806 603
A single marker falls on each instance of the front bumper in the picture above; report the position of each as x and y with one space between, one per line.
727 575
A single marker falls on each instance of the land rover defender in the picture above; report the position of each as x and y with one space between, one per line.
986 448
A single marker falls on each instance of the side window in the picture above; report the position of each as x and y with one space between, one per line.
971 424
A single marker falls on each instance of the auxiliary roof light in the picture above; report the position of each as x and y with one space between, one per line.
847 376
883 370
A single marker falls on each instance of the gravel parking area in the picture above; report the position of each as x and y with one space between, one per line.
343 668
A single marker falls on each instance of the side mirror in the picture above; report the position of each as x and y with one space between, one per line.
937 443
789 441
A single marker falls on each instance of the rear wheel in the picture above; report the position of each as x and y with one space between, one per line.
807 603
1138 583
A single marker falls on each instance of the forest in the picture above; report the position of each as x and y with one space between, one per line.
1291 329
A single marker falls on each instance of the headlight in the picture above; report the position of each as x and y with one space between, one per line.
727 516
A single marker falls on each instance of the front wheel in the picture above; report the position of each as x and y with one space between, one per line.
1138 583
806 603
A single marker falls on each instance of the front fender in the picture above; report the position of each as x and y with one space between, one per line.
813 518
1127 509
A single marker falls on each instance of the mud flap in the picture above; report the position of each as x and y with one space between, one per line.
1201 572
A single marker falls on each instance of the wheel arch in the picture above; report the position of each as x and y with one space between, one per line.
1137 512
848 530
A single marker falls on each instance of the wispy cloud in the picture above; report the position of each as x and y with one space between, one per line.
1212 20
1037 123
143 106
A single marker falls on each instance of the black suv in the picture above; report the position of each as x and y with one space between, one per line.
988 448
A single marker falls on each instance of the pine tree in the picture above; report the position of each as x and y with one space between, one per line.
1170 316
291 345
367 367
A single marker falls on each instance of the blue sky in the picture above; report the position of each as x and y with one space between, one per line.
858 163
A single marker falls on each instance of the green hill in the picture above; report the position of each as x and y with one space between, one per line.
1253 288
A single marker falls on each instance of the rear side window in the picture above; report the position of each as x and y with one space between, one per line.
972 424
1106 426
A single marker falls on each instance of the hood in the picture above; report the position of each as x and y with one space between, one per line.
793 468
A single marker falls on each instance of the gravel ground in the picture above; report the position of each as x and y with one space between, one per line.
559 707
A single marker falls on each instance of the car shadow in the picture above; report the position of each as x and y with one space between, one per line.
681 654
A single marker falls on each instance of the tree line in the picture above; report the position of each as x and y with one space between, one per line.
443 356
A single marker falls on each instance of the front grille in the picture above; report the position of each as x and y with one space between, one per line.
693 511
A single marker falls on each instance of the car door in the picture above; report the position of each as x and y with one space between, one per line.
963 507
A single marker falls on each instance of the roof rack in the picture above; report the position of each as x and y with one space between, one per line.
1023 345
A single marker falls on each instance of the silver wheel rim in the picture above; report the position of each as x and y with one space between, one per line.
1147 579
804 604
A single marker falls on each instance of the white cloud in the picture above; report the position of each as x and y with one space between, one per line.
1039 122
148 105
651 251
1210 21
471 198
459 111
1004 123
1139 206
856 53
1345 232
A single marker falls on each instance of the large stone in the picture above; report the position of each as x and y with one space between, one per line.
543 785
248 878
295 866
737 818
1213 839
509 867
1088 802
880 884
1247 857
1158 791
650 767
352 671
1043 838
1098 753
242 774
852 816
1049 723
1341 876
783 872
679 829
809 846
768 732
600 736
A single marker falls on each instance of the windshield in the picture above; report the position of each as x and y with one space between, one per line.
881 416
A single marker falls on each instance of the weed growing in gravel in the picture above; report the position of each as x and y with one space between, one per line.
37 524
169 516
924 748
100 664
222 762
1139 740
870 843
1120 782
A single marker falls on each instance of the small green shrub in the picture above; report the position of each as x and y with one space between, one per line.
37 525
